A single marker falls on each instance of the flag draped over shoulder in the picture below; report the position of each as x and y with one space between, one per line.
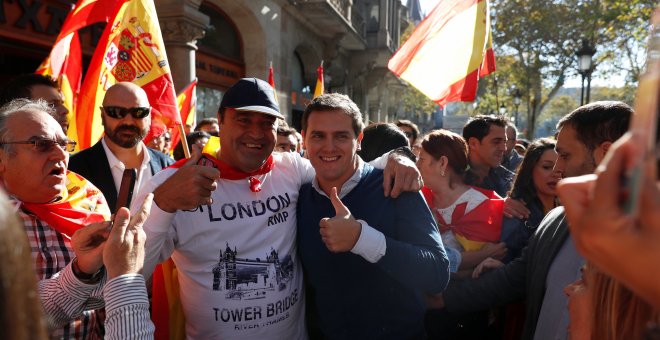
448 52
187 102
64 62
80 204
477 227
319 89
131 49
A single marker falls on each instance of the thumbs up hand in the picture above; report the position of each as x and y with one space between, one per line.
339 233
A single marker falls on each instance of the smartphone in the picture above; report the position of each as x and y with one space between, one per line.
126 189
645 120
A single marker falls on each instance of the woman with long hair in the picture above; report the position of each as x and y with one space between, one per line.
602 308
536 185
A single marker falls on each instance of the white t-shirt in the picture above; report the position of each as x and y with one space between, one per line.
239 272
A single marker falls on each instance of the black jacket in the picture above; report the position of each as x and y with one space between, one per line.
92 164
522 278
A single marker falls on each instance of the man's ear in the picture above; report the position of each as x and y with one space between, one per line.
601 151
473 142
359 140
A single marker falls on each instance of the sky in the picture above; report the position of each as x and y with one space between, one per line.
428 5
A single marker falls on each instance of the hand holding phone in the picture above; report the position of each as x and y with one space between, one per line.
126 189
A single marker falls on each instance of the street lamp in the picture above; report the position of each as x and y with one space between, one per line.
502 110
585 67
517 99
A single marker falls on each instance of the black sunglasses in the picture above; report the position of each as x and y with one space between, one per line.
117 112
47 145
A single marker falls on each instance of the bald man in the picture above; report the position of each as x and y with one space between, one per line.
126 117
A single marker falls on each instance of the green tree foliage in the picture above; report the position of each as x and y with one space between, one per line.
536 40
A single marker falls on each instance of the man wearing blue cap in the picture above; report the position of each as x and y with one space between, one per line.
228 220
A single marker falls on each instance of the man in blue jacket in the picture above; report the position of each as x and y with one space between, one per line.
369 258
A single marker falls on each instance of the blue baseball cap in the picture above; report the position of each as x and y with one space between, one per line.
252 94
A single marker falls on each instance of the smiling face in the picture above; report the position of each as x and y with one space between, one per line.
544 176
248 139
27 174
331 146
490 150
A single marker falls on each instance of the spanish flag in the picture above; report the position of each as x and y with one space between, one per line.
130 49
80 204
319 89
448 52
64 62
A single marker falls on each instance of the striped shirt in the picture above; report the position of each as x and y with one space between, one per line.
127 306
51 252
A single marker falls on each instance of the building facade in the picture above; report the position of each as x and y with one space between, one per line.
220 41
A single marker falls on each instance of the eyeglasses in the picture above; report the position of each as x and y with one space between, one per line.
117 112
47 145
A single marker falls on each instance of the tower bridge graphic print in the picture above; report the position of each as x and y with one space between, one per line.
248 279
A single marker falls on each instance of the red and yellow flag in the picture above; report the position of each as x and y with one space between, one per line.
64 64
448 52
271 80
65 60
319 89
130 49
81 203
187 102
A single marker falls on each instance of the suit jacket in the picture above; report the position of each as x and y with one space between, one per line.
92 163
524 277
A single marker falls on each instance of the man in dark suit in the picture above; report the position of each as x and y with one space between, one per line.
126 117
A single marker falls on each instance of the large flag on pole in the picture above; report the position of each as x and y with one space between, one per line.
448 52
64 63
319 89
130 49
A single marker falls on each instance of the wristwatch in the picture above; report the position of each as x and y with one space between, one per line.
406 152
84 277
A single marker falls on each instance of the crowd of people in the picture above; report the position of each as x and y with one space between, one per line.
337 231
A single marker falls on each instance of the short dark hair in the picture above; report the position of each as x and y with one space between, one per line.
379 138
285 131
523 184
206 121
21 86
191 138
335 101
479 126
438 143
411 125
598 122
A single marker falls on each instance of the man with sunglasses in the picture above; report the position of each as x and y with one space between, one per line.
126 119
